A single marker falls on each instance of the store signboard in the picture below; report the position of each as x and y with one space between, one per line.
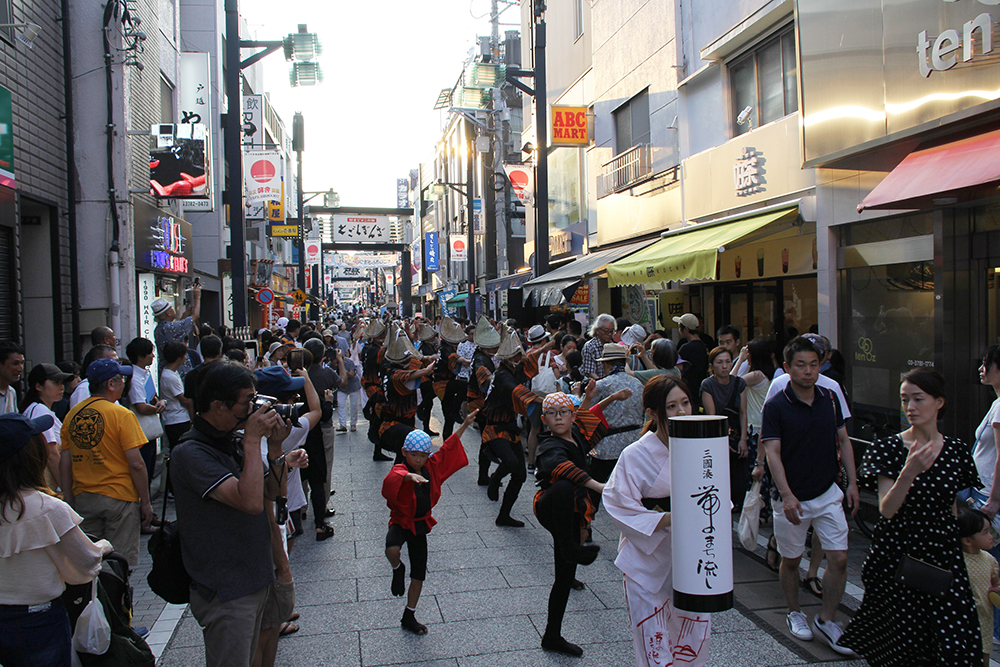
283 231
312 252
443 297
179 164
253 121
227 299
6 139
522 181
569 126
262 175
772 258
433 262
361 229
402 193
162 241
477 216
875 71
365 261
195 87
459 247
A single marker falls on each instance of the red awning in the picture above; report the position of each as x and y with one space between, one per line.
946 174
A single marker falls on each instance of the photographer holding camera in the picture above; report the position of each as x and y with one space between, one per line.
225 533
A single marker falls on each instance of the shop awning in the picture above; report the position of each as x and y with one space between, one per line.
556 287
508 282
458 299
688 254
945 174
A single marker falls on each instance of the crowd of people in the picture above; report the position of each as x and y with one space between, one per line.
247 429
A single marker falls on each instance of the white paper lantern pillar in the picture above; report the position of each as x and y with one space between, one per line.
701 513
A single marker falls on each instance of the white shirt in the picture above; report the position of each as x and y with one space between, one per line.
296 496
644 552
36 410
137 393
171 388
779 383
985 451
80 394
8 401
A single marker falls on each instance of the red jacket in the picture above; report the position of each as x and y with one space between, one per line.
398 491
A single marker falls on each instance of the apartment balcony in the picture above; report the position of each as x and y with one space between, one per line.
625 171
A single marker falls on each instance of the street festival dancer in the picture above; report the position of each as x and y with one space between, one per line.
411 489
372 357
637 497
567 500
507 398
487 340
428 339
449 389
401 375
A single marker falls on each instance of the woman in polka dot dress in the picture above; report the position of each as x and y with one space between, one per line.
918 472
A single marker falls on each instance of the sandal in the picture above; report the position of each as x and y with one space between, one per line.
324 533
773 557
293 617
814 585
288 628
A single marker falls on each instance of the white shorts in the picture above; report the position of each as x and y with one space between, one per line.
824 513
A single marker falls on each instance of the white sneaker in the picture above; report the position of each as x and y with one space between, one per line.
829 633
798 625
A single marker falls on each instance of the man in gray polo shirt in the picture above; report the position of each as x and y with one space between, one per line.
225 532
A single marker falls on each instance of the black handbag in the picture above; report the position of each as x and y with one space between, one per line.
924 577
168 578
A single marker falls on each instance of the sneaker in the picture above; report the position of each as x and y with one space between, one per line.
798 625
829 633
341 429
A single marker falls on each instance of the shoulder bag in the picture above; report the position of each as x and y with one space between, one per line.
924 577
168 578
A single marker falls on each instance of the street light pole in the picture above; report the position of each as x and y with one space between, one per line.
470 186
298 145
542 150
234 156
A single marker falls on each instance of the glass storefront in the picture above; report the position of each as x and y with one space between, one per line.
775 310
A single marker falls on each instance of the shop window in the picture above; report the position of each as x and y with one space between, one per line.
579 18
632 123
765 80
887 330
564 188
7 34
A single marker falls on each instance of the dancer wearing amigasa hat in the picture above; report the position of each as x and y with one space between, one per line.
447 386
372 358
487 340
401 375
410 490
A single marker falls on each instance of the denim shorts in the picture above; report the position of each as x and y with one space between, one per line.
35 636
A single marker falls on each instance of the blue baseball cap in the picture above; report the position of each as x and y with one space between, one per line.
417 441
103 370
275 380
16 430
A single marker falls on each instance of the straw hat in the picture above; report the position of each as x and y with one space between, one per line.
510 344
400 350
451 331
613 352
374 330
486 336
537 334
426 332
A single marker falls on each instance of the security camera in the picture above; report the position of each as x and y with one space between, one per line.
744 115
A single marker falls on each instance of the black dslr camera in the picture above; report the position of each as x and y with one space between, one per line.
291 411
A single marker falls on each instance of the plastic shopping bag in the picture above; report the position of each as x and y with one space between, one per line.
750 518
93 632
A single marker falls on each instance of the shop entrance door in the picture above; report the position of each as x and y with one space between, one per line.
755 308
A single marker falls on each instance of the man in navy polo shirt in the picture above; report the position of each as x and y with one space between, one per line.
802 429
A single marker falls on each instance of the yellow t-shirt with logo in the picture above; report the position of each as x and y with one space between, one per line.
97 434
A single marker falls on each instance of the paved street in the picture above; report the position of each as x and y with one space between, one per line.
485 596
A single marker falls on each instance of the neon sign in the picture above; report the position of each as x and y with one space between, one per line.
167 253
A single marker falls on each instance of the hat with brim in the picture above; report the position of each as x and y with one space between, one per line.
681 361
486 336
159 306
53 373
613 353
374 330
426 332
510 345
537 334
103 370
401 349
451 331
688 321
16 431
634 335
275 380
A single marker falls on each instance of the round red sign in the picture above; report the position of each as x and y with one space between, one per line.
519 179
459 245
262 171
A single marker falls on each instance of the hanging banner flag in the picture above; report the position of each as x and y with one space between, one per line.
477 216
522 180
431 248
361 228
262 175
459 247
312 252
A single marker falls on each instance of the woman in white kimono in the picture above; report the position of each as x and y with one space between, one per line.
637 497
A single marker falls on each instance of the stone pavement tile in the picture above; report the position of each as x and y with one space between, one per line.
439 582
487 557
597 626
610 593
365 615
312 550
540 571
815 648
447 662
447 640
320 570
312 593
188 633
336 649
507 537
732 621
594 655
749 649
506 602
435 542
749 570
175 656
765 595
